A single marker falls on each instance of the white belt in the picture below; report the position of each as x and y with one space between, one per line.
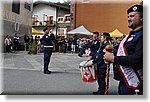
48 46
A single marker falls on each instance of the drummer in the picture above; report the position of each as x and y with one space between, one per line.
101 66
95 44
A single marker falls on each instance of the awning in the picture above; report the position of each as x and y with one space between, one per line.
116 33
80 30
36 32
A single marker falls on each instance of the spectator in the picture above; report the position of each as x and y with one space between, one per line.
8 44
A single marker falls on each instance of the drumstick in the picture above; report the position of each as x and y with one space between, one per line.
108 48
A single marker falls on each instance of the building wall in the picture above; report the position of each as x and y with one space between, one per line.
102 16
44 9
12 23
49 10
23 19
61 12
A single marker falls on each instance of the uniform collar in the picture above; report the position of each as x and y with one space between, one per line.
137 30
134 32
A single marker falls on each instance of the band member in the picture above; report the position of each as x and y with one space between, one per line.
129 57
48 48
95 44
101 65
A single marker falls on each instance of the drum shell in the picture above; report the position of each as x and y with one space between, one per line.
89 73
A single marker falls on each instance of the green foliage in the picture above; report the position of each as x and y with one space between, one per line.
66 3
33 48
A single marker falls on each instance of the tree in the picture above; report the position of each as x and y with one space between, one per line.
66 3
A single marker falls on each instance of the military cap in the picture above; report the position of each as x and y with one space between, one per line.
96 33
105 34
135 8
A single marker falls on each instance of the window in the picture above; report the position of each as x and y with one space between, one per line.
50 19
61 31
16 6
16 26
60 19
66 18
27 6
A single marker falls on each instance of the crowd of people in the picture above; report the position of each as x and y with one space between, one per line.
61 44
14 43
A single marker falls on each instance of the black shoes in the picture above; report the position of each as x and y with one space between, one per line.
96 93
47 72
99 93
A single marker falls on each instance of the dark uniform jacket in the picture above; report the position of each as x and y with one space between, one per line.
98 56
48 40
16 40
94 46
134 47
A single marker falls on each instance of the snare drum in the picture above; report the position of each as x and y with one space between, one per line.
88 71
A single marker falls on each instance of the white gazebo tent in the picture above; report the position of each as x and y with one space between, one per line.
80 30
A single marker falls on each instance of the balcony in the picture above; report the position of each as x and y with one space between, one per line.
43 23
63 24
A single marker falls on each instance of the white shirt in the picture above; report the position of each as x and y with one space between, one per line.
7 41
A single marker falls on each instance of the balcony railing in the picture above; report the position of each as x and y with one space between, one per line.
43 23
63 24
50 24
